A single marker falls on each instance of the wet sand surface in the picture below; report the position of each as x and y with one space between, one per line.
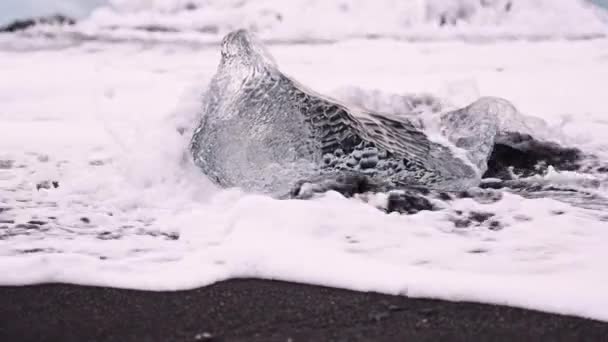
264 310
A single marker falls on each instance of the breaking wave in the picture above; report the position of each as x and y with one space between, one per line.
206 21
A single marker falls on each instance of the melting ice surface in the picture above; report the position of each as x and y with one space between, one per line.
130 211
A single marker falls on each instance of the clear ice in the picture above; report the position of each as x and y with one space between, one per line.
264 132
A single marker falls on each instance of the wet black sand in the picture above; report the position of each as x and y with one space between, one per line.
258 310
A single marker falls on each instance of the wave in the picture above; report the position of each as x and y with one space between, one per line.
332 20
315 21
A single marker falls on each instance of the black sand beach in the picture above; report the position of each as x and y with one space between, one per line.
261 310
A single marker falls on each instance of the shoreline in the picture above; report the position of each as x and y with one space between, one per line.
266 310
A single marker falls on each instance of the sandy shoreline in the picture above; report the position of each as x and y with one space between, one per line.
260 310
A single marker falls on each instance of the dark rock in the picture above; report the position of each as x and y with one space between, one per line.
484 196
85 220
493 184
495 225
408 202
463 194
47 185
475 219
480 216
444 196
170 236
526 156
462 223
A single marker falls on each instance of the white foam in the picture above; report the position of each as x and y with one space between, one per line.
207 21
101 120
337 19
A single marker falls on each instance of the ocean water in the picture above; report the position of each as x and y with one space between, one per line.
97 188
602 3
21 9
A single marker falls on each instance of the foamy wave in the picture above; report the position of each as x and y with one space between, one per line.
331 20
